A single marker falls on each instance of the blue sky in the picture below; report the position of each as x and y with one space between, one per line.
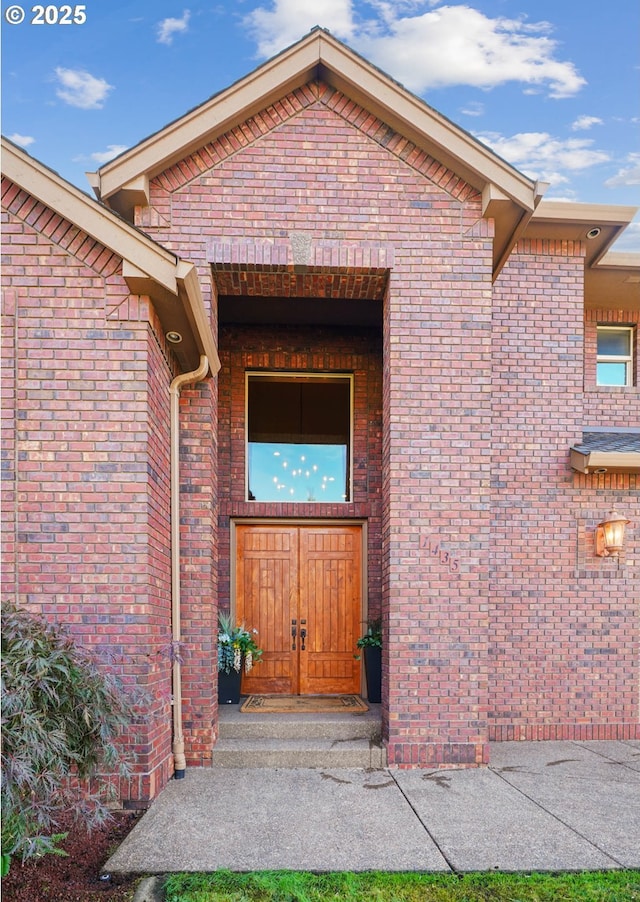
550 86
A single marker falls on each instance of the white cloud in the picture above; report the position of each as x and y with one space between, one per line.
105 155
170 27
541 156
457 45
79 88
288 20
583 123
449 45
21 140
628 176
475 108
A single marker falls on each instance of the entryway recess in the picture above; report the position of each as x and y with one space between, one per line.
300 586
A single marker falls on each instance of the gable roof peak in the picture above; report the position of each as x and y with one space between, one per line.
509 196
318 56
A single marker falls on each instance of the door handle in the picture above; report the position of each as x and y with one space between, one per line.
293 635
303 636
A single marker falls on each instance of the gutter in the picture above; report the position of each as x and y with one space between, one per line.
179 761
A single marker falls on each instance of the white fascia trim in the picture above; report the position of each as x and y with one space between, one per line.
618 461
179 138
190 284
84 212
598 214
293 67
619 260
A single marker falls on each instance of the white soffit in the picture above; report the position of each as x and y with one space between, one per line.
596 225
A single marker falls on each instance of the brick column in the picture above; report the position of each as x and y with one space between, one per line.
437 418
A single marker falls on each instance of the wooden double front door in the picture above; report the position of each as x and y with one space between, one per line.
301 588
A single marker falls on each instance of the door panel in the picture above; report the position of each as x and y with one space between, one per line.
266 581
310 574
330 603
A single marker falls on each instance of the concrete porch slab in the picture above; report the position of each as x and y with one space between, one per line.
545 806
591 787
304 819
481 823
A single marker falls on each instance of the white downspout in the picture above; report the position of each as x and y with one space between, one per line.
179 761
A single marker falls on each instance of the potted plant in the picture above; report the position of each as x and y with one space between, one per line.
371 645
237 651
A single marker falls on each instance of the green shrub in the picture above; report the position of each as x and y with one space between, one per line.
61 716
373 637
236 646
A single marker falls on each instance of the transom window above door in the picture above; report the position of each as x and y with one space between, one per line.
299 437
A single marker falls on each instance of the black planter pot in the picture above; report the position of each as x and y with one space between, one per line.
373 670
229 687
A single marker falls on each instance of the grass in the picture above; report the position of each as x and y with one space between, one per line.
300 886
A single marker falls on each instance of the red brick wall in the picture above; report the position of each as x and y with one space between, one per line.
499 621
318 165
88 462
482 399
564 635
437 421
8 496
199 567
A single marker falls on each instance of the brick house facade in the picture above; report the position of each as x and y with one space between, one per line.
334 226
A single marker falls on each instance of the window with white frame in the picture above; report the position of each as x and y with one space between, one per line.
615 355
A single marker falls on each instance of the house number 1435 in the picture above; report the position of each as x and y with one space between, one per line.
433 546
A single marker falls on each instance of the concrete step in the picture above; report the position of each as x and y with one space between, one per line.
299 740
235 725
310 752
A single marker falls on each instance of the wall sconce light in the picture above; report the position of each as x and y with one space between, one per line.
610 534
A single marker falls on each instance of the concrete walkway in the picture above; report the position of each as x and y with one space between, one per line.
542 806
